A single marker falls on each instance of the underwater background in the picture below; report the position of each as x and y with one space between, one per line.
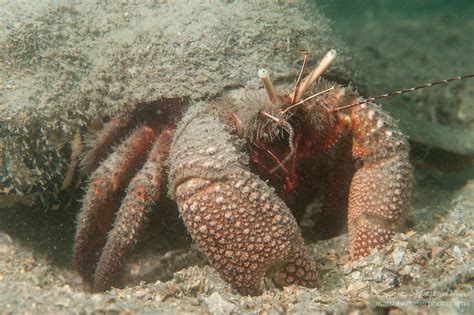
402 44
390 44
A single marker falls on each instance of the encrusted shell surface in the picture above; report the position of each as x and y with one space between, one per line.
65 65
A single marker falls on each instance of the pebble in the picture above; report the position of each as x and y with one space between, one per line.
356 286
347 268
406 270
356 275
377 260
457 251
437 251
431 240
398 255
217 305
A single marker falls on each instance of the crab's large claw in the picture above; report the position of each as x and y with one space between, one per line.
242 227
381 187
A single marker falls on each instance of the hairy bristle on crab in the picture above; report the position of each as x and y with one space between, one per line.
143 191
376 143
280 118
76 147
101 198
242 171
284 111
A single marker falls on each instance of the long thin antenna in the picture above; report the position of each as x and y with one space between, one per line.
284 111
372 99
300 75
316 73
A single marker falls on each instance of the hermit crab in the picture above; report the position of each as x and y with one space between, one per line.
241 169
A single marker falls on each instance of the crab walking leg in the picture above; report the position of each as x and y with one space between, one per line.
113 131
116 129
99 204
242 227
142 193
380 189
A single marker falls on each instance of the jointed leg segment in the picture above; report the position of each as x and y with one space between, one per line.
100 201
143 192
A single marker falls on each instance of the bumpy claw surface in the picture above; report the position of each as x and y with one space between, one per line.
380 189
221 163
233 216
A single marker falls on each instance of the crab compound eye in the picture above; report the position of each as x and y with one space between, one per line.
263 73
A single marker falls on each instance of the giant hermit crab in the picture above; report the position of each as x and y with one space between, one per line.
235 166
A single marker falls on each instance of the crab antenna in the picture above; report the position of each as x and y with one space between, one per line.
316 73
264 76
372 99
300 75
284 111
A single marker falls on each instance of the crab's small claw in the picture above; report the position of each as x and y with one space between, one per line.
243 228
380 189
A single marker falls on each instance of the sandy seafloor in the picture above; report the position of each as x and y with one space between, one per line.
429 269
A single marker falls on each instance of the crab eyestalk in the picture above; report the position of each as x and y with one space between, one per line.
264 76
316 73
